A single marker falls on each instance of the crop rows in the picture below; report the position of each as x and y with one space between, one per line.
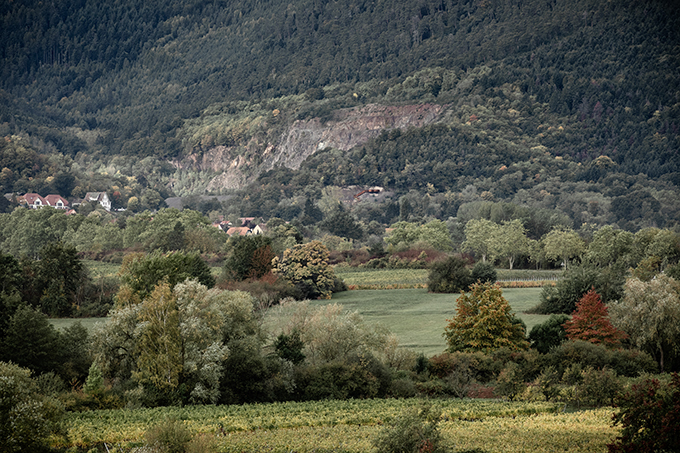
383 278
359 278
338 425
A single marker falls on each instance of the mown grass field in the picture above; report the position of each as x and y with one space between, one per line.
351 426
418 318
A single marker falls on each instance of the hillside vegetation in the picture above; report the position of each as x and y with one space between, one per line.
553 105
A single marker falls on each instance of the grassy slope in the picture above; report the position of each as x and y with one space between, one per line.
418 318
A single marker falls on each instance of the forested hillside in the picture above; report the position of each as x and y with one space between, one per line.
571 106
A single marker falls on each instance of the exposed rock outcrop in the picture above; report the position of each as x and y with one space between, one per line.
347 128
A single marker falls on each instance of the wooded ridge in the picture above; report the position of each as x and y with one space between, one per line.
571 105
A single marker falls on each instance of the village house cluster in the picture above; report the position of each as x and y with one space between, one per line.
36 201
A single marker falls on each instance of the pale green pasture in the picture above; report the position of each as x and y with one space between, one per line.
88 323
418 318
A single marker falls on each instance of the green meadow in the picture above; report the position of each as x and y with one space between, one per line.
417 317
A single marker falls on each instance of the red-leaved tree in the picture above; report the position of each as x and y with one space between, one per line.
590 322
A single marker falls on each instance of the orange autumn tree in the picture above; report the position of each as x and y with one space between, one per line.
590 322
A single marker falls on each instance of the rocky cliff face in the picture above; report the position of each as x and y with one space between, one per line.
348 128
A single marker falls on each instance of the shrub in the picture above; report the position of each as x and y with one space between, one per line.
171 436
632 362
550 334
579 352
416 431
267 291
450 276
484 273
599 387
338 380
27 418
202 443
649 417
577 281
548 383
510 382
403 387
626 362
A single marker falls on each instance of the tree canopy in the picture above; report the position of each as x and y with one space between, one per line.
484 322
649 313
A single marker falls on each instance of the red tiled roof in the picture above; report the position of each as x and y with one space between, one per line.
31 197
242 231
52 200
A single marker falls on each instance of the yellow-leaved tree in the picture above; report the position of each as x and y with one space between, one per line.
484 322
159 345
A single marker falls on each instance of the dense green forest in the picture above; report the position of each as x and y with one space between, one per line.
567 106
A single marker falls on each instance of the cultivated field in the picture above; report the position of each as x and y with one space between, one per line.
350 426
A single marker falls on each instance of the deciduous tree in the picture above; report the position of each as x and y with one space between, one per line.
562 244
250 258
484 322
140 273
510 241
307 267
478 237
27 418
590 322
650 314
450 276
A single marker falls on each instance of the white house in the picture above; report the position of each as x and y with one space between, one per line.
101 197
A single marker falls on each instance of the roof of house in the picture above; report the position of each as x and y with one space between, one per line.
94 195
241 231
52 200
31 197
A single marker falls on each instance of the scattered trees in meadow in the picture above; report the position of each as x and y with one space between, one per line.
434 234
